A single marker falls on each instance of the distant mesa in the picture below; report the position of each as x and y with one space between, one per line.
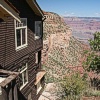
83 28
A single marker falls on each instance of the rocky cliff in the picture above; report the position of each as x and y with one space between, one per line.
61 50
56 33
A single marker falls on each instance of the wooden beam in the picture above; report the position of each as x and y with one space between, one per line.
6 9
8 72
11 76
3 16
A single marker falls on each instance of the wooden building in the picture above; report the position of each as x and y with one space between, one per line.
21 42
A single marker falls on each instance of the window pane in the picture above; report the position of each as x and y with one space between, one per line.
21 80
25 76
23 36
24 21
38 27
18 33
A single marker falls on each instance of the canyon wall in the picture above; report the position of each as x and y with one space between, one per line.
61 51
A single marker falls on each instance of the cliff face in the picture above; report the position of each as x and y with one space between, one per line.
56 33
61 51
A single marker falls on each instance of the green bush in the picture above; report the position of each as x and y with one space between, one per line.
93 56
44 36
74 86
92 92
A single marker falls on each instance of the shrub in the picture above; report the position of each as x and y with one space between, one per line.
92 92
44 36
74 86
93 56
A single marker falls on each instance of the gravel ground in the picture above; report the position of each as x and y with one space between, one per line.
49 92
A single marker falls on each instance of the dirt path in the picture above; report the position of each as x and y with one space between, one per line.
48 93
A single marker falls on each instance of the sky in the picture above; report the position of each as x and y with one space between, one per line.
79 8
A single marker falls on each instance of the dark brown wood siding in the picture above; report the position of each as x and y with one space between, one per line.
33 45
8 54
12 60
26 12
3 30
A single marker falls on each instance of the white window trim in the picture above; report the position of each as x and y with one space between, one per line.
22 46
36 58
23 76
23 86
40 87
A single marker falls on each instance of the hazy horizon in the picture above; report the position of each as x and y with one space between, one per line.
80 8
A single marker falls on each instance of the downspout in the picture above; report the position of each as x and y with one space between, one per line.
43 19
42 26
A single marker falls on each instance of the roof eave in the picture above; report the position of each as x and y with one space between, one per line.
33 3
8 10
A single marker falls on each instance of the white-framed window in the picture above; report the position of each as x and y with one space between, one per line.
36 57
38 29
21 34
39 87
23 76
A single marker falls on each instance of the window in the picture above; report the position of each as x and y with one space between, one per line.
36 58
23 76
21 33
38 29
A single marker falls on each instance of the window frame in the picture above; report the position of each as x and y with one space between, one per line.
22 72
37 58
21 27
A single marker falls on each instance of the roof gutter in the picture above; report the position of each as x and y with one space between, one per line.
38 7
